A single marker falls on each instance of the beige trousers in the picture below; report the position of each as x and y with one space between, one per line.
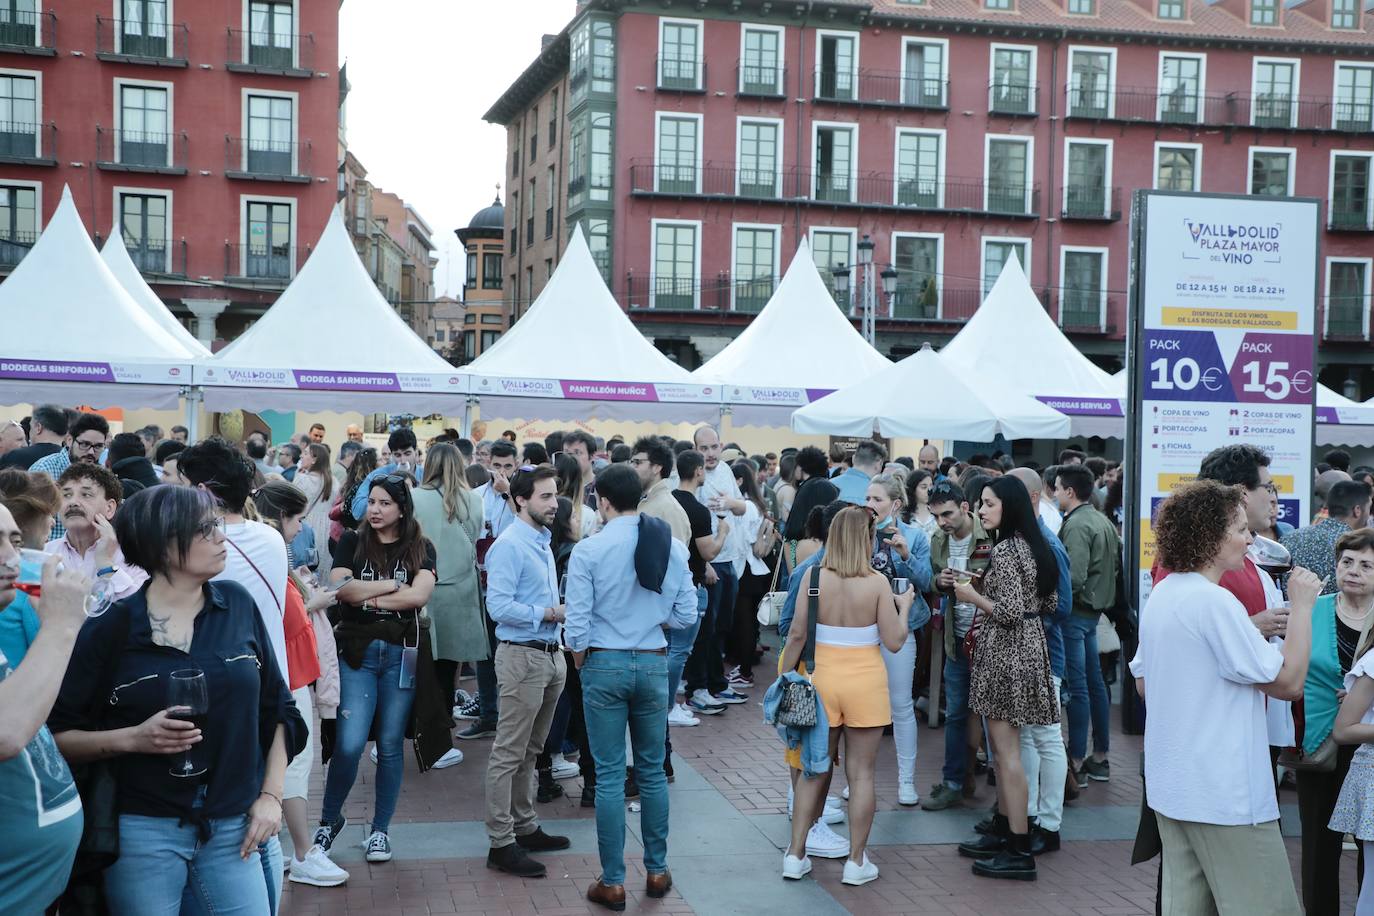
530 682
1211 870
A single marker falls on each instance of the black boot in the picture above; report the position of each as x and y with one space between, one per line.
985 826
549 789
668 768
1043 841
988 844
1014 862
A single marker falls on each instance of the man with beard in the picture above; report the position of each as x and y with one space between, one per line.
90 496
88 435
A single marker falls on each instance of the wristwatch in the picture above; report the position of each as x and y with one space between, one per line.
106 571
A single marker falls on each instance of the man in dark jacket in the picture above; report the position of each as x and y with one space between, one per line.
128 459
813 489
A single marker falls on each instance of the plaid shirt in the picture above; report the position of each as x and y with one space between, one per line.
1314 548
53 465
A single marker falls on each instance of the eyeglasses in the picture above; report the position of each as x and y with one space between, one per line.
207 528
85 445
1270 488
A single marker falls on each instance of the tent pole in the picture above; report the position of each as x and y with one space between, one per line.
467 418
194 397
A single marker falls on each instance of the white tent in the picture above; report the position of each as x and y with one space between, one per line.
116 257
74 336
799 348
883 402
1011 342
331 342
576 354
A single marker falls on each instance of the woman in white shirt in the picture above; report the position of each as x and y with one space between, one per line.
758 535
1204 671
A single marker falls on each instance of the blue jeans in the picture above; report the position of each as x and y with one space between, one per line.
372 689
680 644
160 861
956 714
620 687
1087 691
272 869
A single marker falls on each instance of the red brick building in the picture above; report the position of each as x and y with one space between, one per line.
208 129
705 140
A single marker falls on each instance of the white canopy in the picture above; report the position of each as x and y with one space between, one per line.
331 342
576 354
74 336
116 257
1011 342
883 402
798 349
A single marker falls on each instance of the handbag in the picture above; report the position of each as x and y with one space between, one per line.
1322 760
770 605
797 708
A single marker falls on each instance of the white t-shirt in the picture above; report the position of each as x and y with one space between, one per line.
1050 516
1363 667
721 482
1206 740
262 545
749 524
963 613
1278 714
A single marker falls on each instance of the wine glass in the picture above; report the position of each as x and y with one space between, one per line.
188 699
962 576
1271 556
30 582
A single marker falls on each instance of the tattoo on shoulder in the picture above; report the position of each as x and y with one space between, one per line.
164 636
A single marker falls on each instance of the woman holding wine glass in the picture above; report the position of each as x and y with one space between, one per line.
177 687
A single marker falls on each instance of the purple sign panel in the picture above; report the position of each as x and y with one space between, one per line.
1185 366
52 370
815 394
1083 407
328 380
1274 369
608 391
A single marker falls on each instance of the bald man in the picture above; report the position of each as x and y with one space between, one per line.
1325 481
354 432
928 460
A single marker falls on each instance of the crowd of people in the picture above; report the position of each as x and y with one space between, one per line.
188 628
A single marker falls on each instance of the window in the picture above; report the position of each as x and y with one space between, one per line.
1347 291
438 335
1345 14
1008 175
491 270
470 273
1171 9
548 269
916 259
1083 290
469 346
602 171
760 70
531 201
674 284
920 168
679 54
18 222
271 35
553 118
1088 167
603 57
1264 12
831 249
1275 82
1013 80
489 338
267 253
834 161
1091 73
1350 198
837 66
550 190
996 254
599 241
145 126
923 73
1082 7
1271 172
19 23
579 68
516 132
19 125
1180 88
1354 109
577 162
1178 167
143 28
143 221
271 134
679 155
759 159
997 4
755 264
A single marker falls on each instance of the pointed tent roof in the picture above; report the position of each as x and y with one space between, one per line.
116 257
331 342
800 347
883 402
71 329
576 345
1012 341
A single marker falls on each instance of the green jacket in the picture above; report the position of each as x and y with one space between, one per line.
1094 550
980 551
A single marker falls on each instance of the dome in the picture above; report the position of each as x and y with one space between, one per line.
493 217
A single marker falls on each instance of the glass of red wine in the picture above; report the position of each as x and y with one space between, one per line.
1271 556
188 698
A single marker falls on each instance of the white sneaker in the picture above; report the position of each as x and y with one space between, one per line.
907 794
825 843
681 688
702 697
374 753
845 793
317 869
562 769
859 874
680 715
451 758
795 869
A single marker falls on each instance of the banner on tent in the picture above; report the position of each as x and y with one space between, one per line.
1353 416
331 380
1223 347
776 397
1083 407
58 370
594 390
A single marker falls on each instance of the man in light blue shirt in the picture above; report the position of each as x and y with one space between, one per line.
404 459
869 458
522 598
614 628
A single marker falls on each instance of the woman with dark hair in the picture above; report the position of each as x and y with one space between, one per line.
189 826
917 510
1009 679
786 490
385 573
363 465
313 478
760 540
584 522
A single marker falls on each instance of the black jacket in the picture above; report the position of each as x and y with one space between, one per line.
137 469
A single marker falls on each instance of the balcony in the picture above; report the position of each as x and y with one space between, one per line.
1345 319
1092 204
139 151
265 265
253 159
880 89
24 32
28 144
13 247
154 257
1081 313
1013 99
680 74
136 42
1347 218
265 52
1274 111
760 81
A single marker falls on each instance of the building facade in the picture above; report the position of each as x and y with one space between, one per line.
707 140
486 309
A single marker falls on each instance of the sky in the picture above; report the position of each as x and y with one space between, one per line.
423 72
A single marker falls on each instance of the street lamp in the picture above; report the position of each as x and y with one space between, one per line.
867 293
865 247
841 275
889 276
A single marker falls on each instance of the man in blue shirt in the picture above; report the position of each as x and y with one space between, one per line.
523 600
866 463
615 628
404 459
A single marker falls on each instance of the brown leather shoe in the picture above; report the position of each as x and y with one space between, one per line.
611 896
658 885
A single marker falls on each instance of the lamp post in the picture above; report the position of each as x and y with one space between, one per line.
867 288
889 276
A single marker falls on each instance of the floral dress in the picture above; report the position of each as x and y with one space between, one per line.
1010 677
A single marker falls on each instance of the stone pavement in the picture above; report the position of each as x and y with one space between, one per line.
728 829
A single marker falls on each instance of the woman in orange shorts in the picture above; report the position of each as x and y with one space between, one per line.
856 612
